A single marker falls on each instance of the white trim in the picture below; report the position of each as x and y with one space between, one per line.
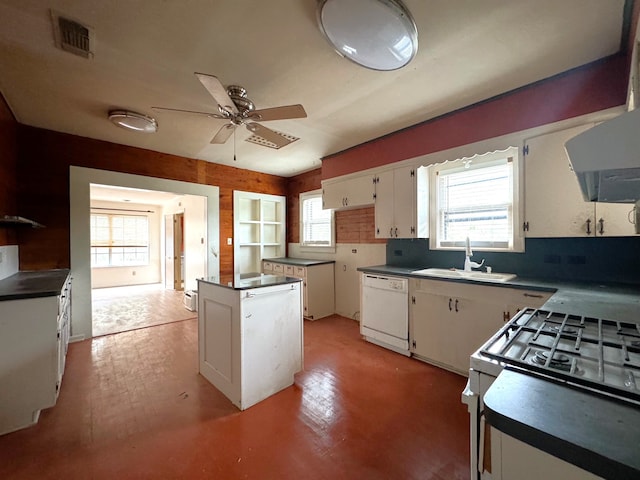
80 179
310 248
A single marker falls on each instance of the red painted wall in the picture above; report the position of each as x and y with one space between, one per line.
587 89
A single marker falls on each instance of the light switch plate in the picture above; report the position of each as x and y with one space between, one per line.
229 241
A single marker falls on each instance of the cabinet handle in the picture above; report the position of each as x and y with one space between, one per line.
506 316
456 304
532 295
588 226
346 201
396 232
450 304
601 226
391 232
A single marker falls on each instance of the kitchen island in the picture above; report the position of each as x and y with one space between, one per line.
250 334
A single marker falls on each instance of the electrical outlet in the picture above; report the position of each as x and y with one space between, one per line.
229 241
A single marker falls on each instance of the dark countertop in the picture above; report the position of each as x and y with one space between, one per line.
300 262
246 281
594 432
33 284
601 300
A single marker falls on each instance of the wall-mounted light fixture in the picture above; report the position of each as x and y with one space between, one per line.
377 34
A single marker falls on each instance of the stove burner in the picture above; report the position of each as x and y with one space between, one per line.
566 329
558 361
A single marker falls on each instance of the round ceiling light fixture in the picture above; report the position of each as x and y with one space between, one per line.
377 34
133 121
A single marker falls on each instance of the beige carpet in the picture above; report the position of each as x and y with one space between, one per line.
120 309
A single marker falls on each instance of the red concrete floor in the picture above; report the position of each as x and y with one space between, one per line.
133 406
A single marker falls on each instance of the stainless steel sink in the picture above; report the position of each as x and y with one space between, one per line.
473 275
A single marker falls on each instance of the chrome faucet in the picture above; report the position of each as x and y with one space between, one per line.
468 264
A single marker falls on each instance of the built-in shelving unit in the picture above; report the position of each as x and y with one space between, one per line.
259 229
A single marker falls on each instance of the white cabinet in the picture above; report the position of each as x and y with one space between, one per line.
318 291
349 191
34 334
250 341
448 321
402 203
259 229
554 206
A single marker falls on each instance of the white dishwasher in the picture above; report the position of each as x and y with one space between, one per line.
384 311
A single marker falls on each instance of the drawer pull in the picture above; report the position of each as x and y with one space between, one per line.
533 295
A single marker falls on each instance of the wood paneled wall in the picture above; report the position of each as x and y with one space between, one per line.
44 158
8 166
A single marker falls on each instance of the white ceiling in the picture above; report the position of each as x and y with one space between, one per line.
146 52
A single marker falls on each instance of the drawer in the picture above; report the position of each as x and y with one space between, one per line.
289 270
267 267
301 272
278 268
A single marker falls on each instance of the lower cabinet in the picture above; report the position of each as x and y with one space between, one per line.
34 335
448 321
318 292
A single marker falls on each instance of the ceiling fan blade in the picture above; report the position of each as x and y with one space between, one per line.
223 134
279 113
217 91
164 109
268 134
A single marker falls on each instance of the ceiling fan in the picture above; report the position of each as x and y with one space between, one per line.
235 107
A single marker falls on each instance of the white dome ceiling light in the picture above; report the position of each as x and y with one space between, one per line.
377 34
133 121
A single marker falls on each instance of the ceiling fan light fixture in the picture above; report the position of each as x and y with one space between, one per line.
377 34
133 121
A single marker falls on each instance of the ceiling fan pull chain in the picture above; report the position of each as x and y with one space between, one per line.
234 144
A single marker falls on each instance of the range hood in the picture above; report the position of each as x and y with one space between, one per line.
606 159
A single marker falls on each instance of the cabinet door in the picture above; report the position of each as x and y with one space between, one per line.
616 220
384 204
349 192
333 194
428 314
404 202
553 201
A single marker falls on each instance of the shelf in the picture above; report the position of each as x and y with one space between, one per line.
250 222
250 244
16 221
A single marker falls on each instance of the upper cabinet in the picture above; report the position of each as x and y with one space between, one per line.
259 229
402 203
352 191
554 206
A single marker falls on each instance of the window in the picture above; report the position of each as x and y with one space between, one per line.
119 240
316 224
477 198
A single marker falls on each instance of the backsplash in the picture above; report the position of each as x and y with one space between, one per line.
610 259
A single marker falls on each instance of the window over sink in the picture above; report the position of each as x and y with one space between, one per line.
477 197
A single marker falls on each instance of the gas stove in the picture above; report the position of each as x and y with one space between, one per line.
594 353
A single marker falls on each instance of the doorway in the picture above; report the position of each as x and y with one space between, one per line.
128 289
174 251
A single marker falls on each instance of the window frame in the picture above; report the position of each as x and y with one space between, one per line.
516 242
111 245
311 247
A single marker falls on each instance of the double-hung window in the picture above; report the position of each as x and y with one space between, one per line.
119 240
478 198
316 224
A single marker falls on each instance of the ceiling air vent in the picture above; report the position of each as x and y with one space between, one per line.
266 143
73 37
